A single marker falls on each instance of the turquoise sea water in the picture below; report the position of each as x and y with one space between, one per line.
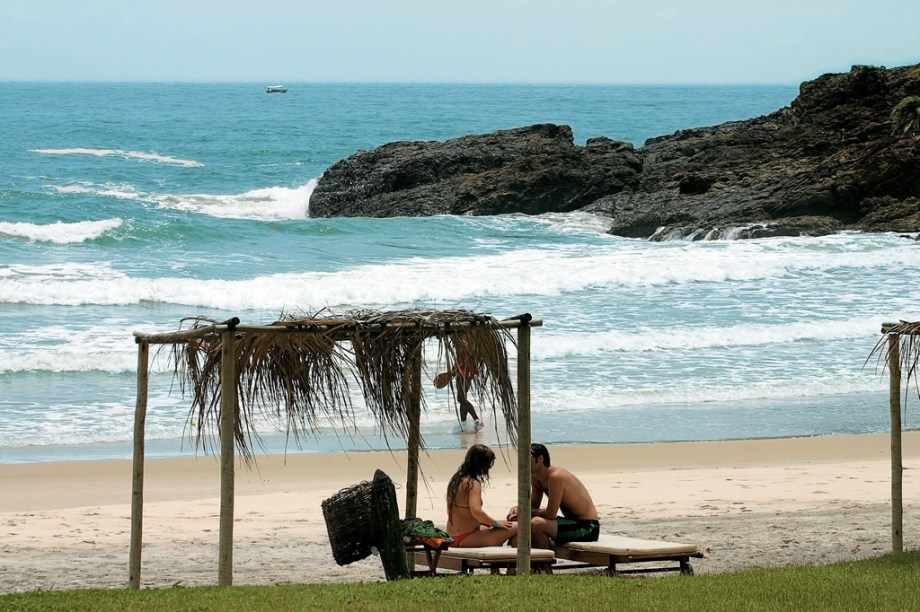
129 206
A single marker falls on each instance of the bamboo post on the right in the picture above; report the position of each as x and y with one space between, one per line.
523 441
137 481
228 402
897 468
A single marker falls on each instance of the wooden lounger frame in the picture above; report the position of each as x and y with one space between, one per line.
610 551
492 558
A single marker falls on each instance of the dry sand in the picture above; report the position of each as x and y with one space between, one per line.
748 503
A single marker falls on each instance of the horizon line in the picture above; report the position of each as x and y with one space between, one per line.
410 83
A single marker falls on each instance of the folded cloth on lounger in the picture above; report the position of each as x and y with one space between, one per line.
427 533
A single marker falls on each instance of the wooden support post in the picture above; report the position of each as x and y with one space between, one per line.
228 415
414 442
137 482
412 468
897 468
523 440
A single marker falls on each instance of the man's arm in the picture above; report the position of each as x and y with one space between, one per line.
554 497
536 498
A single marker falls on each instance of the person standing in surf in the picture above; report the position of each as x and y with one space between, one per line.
463 370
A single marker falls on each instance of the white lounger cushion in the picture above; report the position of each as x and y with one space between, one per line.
622 545
495 553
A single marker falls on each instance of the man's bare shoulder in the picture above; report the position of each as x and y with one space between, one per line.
560 474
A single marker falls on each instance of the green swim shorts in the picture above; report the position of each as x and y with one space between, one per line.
575 530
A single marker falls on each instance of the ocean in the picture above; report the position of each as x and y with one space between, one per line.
127 206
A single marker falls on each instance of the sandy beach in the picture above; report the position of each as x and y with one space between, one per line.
749 504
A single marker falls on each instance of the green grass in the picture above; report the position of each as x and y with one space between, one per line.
887 583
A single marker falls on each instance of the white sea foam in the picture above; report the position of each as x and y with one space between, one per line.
612 395
552 345
140 155
67 360
121 191
576 222
268 204
524 272
60 232
93 422
168 411
60 272
80 348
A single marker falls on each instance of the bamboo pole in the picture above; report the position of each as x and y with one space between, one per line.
897 468
347 328
137 482
188 334
523 439
412 465
227 439
414 442
344 329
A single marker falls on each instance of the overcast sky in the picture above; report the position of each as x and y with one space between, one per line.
460 41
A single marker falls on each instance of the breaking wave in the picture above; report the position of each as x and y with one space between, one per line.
60 232
139 155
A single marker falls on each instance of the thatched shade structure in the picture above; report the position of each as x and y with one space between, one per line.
300 369
899 351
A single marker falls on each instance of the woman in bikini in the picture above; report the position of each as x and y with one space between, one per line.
462 372
465 369
467 523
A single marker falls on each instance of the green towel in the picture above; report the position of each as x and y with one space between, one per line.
424 529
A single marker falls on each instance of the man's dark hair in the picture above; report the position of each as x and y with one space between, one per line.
538 450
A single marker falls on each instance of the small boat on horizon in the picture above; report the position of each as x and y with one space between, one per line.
276 89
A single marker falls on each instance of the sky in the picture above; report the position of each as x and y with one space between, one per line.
455 41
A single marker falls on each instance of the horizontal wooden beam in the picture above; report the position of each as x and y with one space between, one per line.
341 329
910 329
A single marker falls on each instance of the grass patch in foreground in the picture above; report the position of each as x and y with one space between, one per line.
886 583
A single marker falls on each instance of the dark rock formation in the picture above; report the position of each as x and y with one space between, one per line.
832 160
528 170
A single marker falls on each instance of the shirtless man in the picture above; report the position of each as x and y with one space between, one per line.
565 493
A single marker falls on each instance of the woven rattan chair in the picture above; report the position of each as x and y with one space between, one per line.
363 518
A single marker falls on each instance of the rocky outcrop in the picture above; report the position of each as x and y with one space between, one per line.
528 170
832 160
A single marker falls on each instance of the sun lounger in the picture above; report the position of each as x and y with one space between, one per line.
364 517
609 550
492 558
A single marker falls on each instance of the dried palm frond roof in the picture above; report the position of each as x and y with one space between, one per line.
908 349
300 368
